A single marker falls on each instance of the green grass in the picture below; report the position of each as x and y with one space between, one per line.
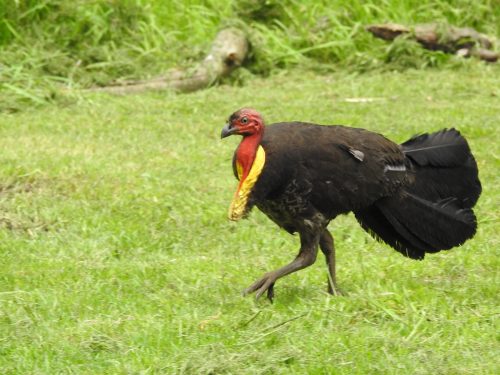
50 46
118 258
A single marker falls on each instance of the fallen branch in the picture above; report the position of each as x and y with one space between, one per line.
463 41
228 52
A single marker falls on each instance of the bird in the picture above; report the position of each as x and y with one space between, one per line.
416 197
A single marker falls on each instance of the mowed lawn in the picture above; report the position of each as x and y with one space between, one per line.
116 256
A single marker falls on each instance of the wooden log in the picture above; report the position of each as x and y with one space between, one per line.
440 37
229 50
388 31
481 53
449 38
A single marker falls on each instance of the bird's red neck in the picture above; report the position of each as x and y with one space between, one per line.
245 155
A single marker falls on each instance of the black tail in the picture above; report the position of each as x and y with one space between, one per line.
434 212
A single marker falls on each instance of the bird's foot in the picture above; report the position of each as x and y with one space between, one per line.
261 285
334 290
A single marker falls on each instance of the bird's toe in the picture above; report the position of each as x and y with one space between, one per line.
262 285
270 293
334 290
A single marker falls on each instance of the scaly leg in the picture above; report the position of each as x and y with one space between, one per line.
328 248
306 257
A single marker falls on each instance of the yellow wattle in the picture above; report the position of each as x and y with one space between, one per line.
240 200
239 169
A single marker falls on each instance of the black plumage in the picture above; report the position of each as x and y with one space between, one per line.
417 197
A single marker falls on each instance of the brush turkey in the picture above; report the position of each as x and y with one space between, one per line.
416 197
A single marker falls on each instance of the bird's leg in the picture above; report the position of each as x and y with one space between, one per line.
328 248
306 257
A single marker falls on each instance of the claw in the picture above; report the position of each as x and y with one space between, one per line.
266 283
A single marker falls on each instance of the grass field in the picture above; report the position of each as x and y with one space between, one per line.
117 256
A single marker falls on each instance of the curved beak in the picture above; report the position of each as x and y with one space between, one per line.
227 131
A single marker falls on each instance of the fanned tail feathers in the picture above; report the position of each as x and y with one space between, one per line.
445 148
435 211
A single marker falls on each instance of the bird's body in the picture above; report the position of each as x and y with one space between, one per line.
416 197
299 182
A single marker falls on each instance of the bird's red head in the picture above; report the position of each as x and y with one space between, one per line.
245 122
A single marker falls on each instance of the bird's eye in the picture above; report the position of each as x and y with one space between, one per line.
244 120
